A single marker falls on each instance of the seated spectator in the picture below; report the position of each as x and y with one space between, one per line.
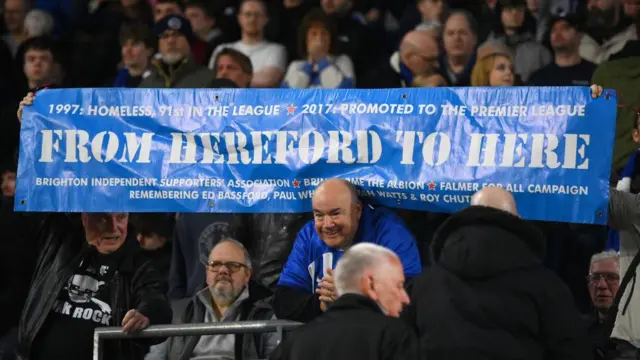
488 295
229 295
355 38
417 56
174 67
137 47
516 31
622 73
193 237
285 19
235 66
320 65
153 231
203 21
90 273
164 8
460 40
8 180
429 13
360 325
269 59
41 56
14 12
603 281
38 23
568 68
306 286
494 68
608 31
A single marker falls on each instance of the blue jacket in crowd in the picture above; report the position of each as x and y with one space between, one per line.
309 257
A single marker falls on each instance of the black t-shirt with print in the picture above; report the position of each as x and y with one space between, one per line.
82 305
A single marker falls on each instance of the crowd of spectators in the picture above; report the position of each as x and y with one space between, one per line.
300 44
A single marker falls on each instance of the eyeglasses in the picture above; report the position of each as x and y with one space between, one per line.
608 278
233 266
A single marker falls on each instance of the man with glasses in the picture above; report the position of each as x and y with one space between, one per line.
174 66
603 282
229 295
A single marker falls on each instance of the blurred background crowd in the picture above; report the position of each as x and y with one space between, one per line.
325 44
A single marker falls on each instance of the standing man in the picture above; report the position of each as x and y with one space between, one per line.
340 220
362 323
489 293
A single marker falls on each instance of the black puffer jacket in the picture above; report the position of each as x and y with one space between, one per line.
487 295
136 285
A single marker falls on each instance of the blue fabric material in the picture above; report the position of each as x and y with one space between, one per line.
310 255
406 74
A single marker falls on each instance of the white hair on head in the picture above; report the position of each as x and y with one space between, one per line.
355 262
606 255
38 22
247 256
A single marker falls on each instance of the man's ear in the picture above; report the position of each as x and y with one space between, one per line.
249 274
358 209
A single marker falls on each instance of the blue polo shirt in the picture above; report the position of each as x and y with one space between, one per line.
310 255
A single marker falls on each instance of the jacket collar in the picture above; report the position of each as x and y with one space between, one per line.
475 215
355 302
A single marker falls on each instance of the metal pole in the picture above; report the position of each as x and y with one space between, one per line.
97 346
235 327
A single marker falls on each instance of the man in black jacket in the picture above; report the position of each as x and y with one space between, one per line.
90 273
361 323
487 295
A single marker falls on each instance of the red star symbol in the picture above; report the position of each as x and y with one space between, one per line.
432 186
291 109
296 183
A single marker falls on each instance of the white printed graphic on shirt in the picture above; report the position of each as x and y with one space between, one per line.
82 303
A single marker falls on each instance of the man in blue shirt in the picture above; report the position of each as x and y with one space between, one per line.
306 287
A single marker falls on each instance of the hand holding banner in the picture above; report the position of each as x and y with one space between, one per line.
237 150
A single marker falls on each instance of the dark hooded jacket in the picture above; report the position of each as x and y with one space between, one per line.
487 295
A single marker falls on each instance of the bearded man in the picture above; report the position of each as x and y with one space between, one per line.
229 295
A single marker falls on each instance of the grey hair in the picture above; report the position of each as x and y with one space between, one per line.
38 23
606 255
355 262
247 256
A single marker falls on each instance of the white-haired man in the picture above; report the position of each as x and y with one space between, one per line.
229 295
362 323
603 282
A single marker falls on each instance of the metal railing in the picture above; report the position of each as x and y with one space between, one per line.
232 327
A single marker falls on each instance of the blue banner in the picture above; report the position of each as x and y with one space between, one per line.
238 150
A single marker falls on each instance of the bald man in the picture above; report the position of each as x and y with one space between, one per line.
487 294
306 288
417 56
